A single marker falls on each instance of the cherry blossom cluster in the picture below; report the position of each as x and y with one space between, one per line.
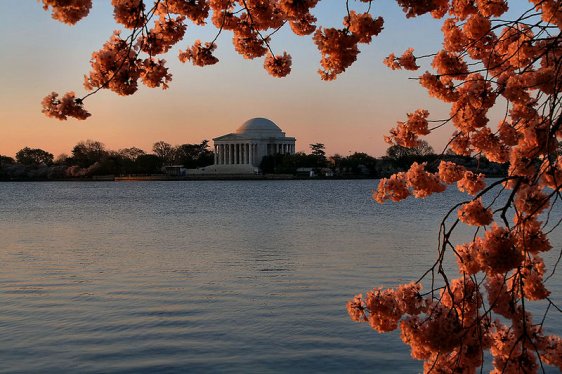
485 63
115 67
154 73
407 61
61 108
153 27
199 54
474 213
339 47
407 133
416 182
419 182
448 333
129 13
68 11
278 66
165 33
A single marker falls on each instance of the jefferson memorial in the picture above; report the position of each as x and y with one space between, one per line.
241 152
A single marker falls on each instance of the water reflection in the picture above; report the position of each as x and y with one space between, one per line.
205 276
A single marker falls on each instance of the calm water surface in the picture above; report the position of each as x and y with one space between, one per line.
215 276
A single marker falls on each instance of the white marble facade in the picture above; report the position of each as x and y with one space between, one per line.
241 152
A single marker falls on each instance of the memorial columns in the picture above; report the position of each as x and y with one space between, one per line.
251 154
247 151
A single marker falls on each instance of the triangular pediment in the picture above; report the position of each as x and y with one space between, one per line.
229 137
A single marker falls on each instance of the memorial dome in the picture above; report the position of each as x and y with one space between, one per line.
261 127
242 151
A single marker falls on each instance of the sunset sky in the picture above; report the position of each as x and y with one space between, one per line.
40 55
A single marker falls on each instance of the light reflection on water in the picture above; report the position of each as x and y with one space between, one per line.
244 276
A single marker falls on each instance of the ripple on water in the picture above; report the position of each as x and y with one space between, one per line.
210 276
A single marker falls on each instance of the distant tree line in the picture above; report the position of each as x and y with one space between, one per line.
91 158
359 164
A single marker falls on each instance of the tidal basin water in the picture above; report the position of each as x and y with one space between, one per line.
207 276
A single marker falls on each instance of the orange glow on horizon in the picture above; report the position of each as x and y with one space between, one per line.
348 115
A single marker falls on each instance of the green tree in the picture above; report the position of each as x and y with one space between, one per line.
194 155
62 159
125 160
336 161
6 160
34 156
206 156
396 152
287 163
318 150
86 153
165 151
148 164
318 155
359 163
131 153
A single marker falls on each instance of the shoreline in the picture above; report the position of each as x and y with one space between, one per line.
161 178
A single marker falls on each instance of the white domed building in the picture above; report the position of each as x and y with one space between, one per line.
241 152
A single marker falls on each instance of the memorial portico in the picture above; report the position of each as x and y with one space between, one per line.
237 151
241 152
